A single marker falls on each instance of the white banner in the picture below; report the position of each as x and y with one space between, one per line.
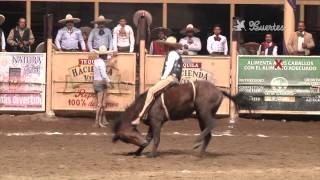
22 81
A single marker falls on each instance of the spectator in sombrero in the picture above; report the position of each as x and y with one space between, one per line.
69 37
191 45
101 35
157 48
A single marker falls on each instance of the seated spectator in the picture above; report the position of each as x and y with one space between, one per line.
100 35
217 44
69 37
157 48
3 40
300 42
21 38
123 37
191 45
268 47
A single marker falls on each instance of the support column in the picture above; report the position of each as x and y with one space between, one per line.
232 14
96 9
302 8
28 13
289 21
165 15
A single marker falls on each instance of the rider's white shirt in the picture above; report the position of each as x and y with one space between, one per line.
173 56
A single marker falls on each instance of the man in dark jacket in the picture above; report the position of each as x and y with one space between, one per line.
21 38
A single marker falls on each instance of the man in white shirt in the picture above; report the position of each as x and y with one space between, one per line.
3 40
300 42
268 47
100 81
217 44
171 73
191 45
123 37
69 37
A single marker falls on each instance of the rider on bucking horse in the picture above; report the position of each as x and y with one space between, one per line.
171 73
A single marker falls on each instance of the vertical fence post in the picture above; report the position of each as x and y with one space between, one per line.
142 65
49 110
233 62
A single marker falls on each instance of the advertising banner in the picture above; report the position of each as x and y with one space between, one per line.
22 81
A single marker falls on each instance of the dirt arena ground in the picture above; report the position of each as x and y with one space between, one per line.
34 147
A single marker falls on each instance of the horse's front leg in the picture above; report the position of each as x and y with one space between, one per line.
139 151
156 140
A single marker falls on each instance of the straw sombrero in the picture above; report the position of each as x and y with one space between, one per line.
170 41
141 13
101 19
189 27
103 50
2 19
69 17
161 29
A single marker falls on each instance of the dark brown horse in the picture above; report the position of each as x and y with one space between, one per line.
181 101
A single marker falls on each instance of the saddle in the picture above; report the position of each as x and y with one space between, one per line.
156 96
161 94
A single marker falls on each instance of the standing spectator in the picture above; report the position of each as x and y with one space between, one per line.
300 42
100 81
123 37
217 44
157 48
21 38
3 40
268 47
191 45
101 35
69 37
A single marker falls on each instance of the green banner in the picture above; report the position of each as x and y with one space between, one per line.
281 83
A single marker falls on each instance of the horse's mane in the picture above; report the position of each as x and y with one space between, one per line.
130 113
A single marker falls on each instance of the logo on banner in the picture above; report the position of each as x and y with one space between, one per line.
256 26
83 73
279 84
193 71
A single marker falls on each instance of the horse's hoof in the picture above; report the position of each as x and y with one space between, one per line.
197 145
134 154
95 125
152 155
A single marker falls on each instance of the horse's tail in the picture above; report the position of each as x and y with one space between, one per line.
241 100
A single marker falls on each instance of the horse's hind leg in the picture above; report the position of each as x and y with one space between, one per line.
207 138
206 125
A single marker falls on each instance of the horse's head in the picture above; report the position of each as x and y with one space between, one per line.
125 132
123 129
